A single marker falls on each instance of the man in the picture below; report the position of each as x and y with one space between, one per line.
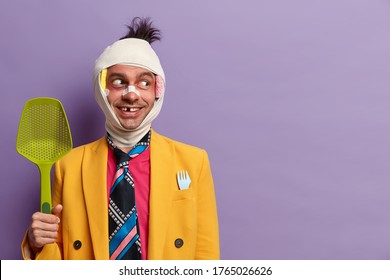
133 194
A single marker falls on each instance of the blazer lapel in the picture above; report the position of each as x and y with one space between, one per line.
94 173
162 177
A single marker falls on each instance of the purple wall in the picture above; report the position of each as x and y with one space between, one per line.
290 99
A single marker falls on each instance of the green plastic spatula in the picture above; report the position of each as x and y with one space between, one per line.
43 138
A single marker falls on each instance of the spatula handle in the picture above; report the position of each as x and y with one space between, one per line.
45 188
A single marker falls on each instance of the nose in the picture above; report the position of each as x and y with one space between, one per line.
130 93
130 96
130 89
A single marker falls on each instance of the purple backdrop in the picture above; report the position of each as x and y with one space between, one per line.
290 99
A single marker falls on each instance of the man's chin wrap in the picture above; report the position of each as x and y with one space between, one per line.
134 52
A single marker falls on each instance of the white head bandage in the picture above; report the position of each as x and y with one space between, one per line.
134 52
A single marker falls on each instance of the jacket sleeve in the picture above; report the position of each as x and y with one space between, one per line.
49 251
207 247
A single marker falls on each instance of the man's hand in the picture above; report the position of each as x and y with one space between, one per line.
43 229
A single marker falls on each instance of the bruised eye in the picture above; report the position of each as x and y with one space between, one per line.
144 84
118 82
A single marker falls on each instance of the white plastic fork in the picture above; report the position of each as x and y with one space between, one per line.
183 179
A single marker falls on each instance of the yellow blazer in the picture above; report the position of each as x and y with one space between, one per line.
189 215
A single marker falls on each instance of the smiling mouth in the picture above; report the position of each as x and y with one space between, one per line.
128 109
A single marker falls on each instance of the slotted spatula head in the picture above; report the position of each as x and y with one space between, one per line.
44 135
43 138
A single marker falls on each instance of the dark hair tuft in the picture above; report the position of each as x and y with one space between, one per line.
142 28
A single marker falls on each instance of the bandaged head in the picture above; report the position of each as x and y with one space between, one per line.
134 52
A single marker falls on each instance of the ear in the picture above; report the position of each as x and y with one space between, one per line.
160 87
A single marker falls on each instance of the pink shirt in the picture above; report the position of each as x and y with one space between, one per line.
140 170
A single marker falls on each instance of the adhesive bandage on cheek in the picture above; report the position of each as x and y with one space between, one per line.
130 89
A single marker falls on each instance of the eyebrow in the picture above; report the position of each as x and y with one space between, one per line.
122 76
149 74
119 75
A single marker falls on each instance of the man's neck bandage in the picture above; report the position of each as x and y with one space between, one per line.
134 52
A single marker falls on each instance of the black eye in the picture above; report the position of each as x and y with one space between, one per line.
117 82
144 84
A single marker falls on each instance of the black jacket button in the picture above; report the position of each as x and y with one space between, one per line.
179 243
77 244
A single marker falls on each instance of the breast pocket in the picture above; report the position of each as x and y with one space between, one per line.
182 195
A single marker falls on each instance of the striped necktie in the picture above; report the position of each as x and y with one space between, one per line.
124 237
